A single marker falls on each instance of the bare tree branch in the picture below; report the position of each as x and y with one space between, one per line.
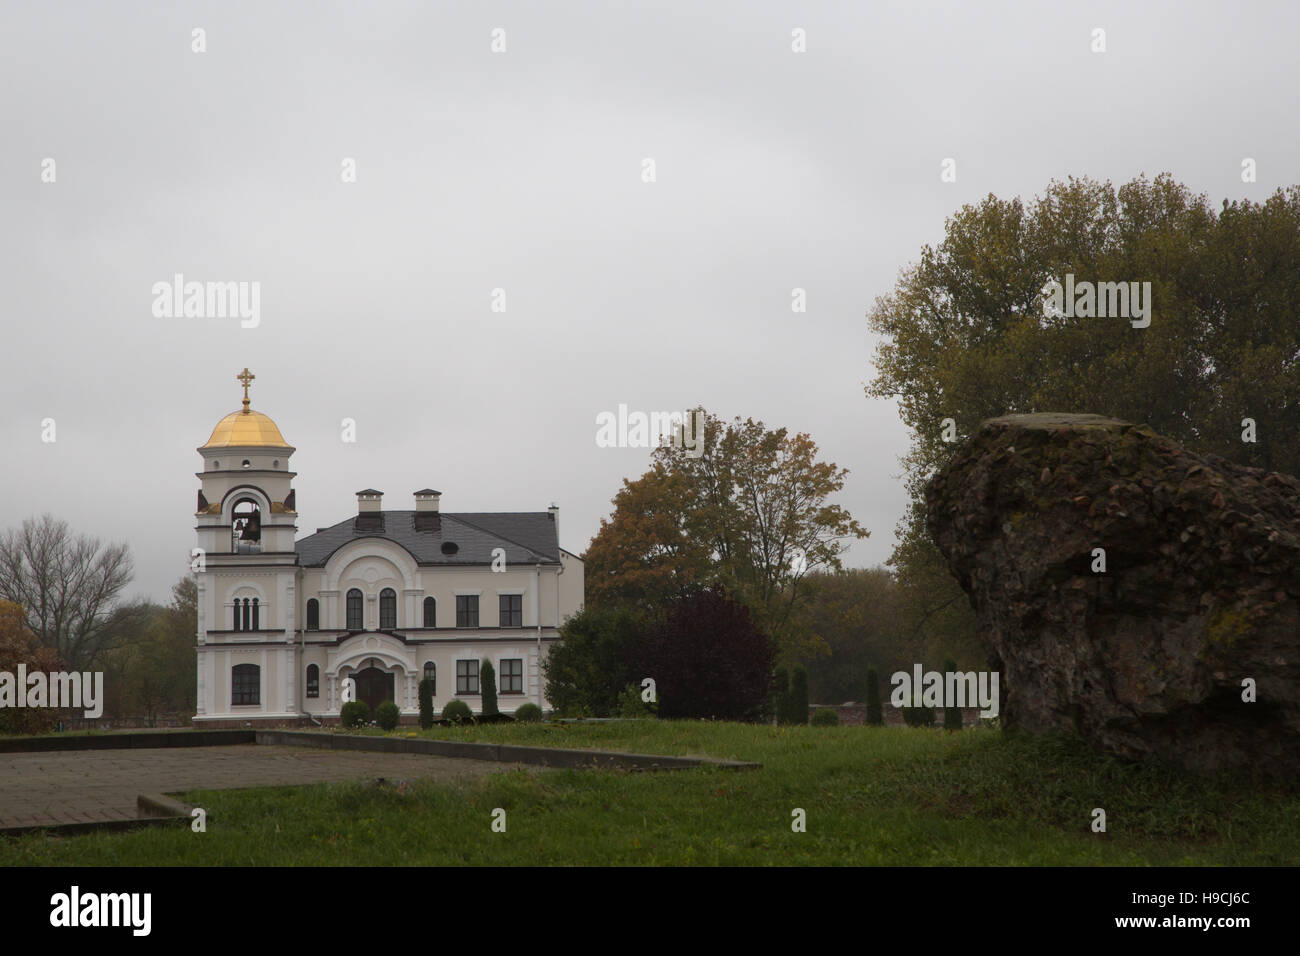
67 585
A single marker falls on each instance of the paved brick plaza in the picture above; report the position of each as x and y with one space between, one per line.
88 785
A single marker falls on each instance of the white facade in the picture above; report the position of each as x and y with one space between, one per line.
276 639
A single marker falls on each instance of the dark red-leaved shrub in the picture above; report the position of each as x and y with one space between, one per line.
709 659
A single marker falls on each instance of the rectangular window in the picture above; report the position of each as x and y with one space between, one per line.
512 676
512 610
467 677
467 610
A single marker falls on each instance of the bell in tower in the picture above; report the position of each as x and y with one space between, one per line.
246 528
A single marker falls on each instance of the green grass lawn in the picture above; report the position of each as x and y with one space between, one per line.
891 796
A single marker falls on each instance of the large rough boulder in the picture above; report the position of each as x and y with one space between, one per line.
1201 587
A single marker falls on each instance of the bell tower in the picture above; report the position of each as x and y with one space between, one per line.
246 502
245 566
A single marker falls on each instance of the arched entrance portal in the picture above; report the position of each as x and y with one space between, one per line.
374 687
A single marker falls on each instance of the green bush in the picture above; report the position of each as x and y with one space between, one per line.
529 713
426 703
875 716
594 661
388 715
355 713
825 717
780 700
951 715
457 711
799 696
630 703
487 685
918 716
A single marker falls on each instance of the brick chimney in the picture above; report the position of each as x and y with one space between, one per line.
370 510
427 517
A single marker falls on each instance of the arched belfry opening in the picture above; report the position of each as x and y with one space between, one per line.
246 527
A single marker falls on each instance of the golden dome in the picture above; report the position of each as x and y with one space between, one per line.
246 428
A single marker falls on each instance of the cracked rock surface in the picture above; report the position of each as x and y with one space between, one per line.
1200 592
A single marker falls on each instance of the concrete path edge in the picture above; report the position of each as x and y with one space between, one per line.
502 753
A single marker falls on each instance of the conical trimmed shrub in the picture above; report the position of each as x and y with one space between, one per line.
426 703
875 716
951 715
780 700
487 685
799 696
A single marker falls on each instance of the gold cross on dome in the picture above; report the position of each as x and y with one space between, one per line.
245 376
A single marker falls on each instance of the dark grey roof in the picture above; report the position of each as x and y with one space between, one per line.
427 491
526 537
369 491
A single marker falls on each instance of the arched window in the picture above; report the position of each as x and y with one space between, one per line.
313 614
245 684
256 615
431 675
430 612
248 621
237 614
354 610
313 680
387 609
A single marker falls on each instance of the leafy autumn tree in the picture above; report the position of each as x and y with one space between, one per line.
146 693
646 554
160 669
856 613
749 513
709 659
866 619
965 336
18 645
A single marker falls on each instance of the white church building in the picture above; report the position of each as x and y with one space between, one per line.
385 597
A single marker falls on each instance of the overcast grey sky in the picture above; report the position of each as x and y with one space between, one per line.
522 171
